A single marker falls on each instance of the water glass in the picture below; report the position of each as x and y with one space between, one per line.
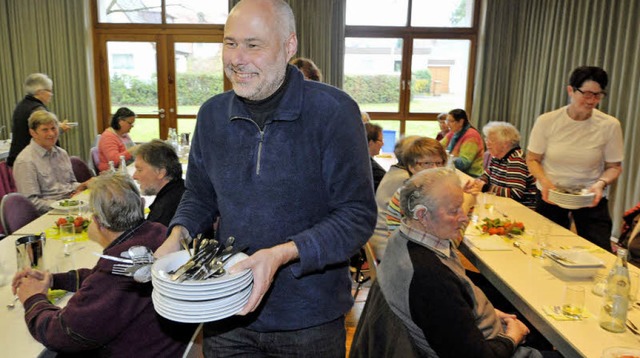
67 235
487 200
573 304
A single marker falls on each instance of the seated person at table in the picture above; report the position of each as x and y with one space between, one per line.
115 140
42 171
417 154
630 234
444 127
464 142
375 141
425 286
414 157
507 174
109 315
159 173
308 68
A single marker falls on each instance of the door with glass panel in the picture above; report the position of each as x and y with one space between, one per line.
162 78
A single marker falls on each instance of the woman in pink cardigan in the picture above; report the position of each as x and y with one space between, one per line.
115 140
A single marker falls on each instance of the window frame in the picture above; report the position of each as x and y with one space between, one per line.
408 34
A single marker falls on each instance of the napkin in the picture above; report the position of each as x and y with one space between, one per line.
53 233
488 243
55 295
556 313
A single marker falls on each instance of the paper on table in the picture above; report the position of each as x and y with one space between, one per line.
556 313
488 243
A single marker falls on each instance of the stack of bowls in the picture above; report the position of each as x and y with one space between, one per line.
571 201
192 301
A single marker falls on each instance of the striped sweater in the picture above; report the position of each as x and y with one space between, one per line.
509 177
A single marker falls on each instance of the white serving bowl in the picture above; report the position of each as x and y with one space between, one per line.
577 264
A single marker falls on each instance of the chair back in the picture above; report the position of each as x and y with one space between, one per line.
486 159
80 169
95 159
371 259
380 332
16 211
7 184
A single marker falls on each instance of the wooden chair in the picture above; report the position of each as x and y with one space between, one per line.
366 272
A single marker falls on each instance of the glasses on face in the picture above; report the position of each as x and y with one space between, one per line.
128 122
430 164
591 95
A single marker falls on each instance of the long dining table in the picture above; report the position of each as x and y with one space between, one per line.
15 339
532 284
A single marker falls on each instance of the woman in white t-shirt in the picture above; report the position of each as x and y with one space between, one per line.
578 146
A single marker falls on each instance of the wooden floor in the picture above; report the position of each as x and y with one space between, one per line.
353 316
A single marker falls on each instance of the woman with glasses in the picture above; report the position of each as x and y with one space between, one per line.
464 142
507 173
578 146
417 153
115 140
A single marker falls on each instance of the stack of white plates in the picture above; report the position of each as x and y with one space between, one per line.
571 201
198 301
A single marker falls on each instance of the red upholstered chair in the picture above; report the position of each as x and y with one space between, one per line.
16 211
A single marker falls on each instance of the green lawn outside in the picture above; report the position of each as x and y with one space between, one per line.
146 129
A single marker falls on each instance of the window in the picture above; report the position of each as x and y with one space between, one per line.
406 61
153 11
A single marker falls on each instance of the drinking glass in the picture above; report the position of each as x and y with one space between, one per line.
67 235
573 304
488 202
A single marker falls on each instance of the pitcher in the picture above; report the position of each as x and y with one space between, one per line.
30 251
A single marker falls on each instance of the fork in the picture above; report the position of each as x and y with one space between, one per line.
632 327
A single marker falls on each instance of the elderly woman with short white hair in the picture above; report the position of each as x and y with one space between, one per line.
507 173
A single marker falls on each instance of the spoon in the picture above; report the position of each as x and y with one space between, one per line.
517 244
13 303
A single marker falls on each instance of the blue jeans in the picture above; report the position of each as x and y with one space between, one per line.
326 340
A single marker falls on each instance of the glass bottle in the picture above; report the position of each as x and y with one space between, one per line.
112 167
613 315
123 165
450 163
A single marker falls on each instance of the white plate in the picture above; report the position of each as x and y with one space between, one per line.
571 201
575 259
176 259
193 308
204 295
199 318
618 352
176 286
221 281
77 203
